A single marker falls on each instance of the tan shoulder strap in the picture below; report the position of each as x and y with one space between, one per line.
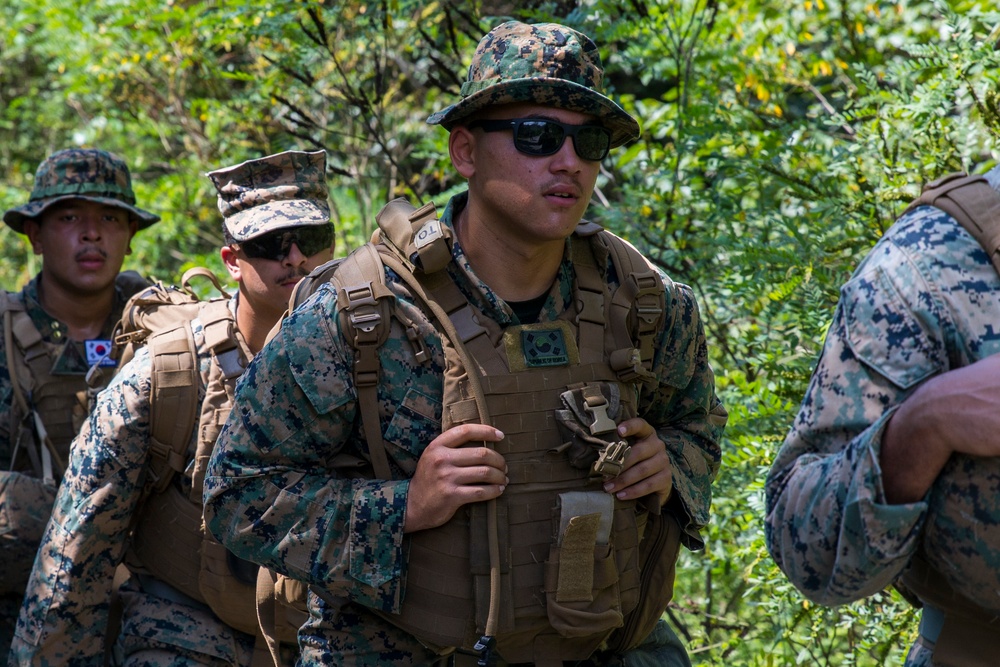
267 604
175 377
219 328
19 329
972 202
638 307
364 303
461 329
173 402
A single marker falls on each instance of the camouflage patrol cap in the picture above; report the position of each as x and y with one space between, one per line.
80 173
545 63
269 193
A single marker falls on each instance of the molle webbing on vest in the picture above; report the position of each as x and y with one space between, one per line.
51 408
173 403
521 591
518 573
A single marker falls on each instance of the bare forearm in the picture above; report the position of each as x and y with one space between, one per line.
952 412
912 456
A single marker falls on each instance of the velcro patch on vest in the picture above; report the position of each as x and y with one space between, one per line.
541 345
576 560
99 351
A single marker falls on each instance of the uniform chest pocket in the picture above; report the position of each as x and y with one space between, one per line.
887 335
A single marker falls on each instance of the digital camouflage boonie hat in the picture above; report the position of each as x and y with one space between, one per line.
80 173
269 193
545 63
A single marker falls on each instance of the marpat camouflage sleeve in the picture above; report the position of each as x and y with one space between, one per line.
685 410
65 612
272 493
924 301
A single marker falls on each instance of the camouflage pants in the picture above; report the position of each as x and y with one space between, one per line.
156 632
920 654
662 648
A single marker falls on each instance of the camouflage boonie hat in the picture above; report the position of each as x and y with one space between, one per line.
80 173
545 63
273 192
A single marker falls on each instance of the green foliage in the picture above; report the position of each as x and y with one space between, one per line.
779 140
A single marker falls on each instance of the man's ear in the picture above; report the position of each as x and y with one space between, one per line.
461 147
230 259
31 230
133 227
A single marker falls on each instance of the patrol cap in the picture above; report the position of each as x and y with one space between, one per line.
80 173
283 190
545 63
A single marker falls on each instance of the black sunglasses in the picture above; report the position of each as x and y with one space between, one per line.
541 136
276 245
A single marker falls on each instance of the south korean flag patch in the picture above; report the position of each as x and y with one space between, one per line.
99 352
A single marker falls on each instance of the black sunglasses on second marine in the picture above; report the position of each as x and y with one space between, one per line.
541 136
276 245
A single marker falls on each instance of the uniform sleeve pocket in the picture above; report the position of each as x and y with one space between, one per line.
415 423
886 334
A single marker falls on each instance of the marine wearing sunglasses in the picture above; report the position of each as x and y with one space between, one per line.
543 136
276 245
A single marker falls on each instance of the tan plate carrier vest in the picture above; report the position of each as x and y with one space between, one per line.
57 405
45 414
970 634
169 540
557 565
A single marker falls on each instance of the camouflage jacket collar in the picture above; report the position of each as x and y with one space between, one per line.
480 294
53 330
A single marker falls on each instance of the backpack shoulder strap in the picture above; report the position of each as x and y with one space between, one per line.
219 326
365 305
18 329
972 202
173 398
637 308
175 374
28 338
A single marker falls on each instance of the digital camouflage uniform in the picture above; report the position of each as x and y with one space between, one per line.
93 175
296 416
71 360
924 301
66 610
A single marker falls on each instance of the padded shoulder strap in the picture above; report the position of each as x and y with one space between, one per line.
173 402
638 307
221 338
973 203
15 320
416 235
365 306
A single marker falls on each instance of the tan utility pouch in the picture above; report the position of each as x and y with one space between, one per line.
589 425
581 576
25 506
